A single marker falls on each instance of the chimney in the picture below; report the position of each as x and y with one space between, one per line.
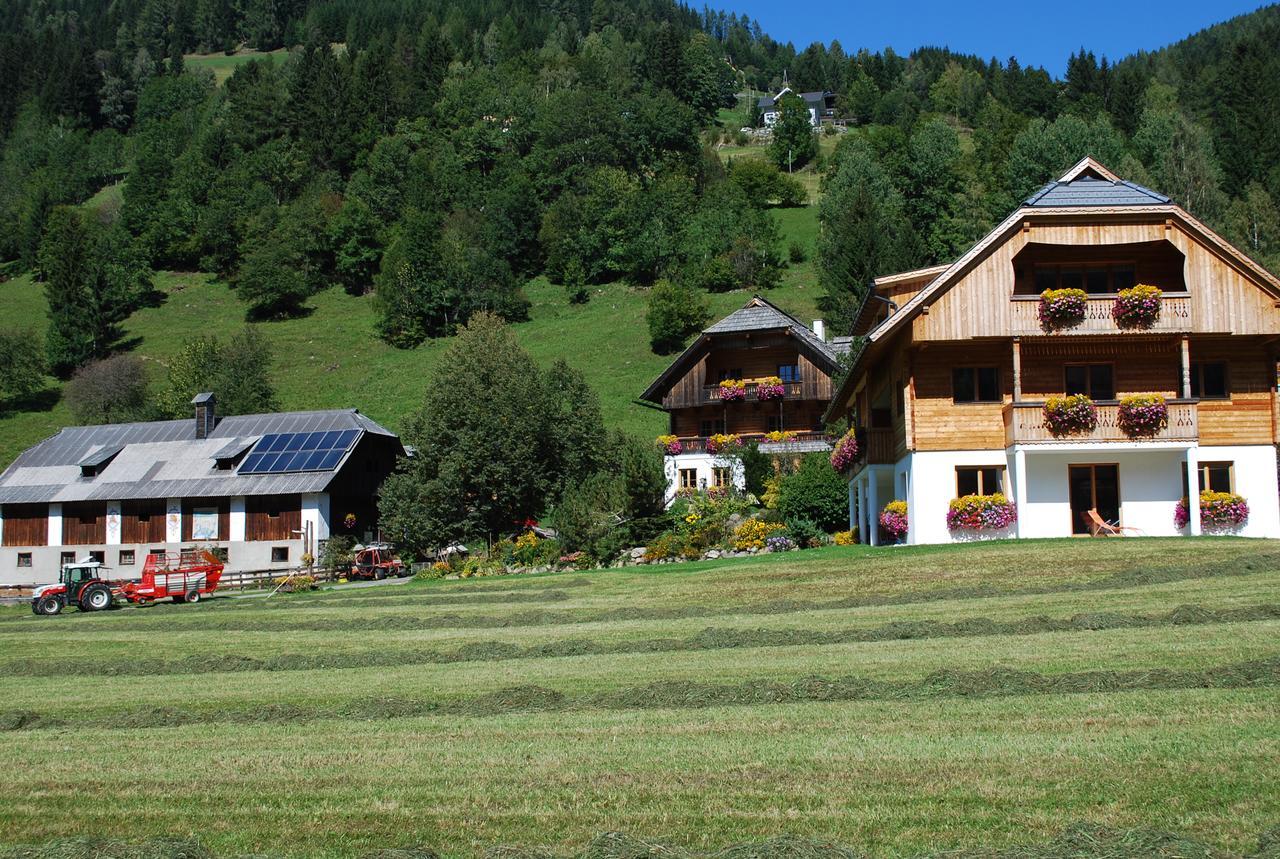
206 417
820 328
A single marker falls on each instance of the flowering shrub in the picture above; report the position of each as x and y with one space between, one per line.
663 547
752 533
844 538
1219 511
577 560
527 550
1070 415
981 513
1142 415
778 543
845 452
1062 308
670 445
733 391
1138 307
893 519
770 388
780 435
722 444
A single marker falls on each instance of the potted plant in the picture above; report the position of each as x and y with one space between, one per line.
845 452
349 521
670 445
893 520
1142 415
770 388
1071 415
1062 308
1220 512
733 391
981 513
1137 307
722 444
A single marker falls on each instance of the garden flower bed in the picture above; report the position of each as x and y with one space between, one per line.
1138 307
981 513
893 519
1220 512
733 391
845 451
1062 308
770 388
1142 415
670 445
1071 415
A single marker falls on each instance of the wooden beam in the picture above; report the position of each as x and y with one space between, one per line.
1186 367
1017 369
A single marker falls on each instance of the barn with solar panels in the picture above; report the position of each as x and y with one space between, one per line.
261 489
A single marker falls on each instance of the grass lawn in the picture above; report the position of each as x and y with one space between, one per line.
223 65
899 701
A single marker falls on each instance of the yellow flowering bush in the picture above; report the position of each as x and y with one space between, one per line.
752 534
844 538
780 435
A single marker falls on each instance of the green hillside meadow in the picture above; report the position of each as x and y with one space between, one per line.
898 701
331 357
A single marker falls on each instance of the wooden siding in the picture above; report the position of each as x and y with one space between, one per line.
26 524
756 359
84 523
940 423
749 418
223 506
1138 367
1246 417
142 522
273 517
979 303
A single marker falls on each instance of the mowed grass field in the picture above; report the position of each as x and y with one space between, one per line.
898 701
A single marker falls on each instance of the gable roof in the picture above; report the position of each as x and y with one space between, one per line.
164 459
1084 187
758 314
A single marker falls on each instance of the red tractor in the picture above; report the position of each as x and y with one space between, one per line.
182 576
376 561
79 584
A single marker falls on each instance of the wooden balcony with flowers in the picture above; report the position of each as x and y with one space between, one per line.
785 441
1067 420
1065 312
754 390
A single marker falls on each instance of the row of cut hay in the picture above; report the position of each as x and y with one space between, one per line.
940 684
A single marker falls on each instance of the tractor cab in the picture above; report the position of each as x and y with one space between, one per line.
80 584
376 561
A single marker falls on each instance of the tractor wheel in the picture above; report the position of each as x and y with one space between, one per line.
95 598
379 574
193 597
47 605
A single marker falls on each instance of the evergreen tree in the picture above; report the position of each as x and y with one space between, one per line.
84 310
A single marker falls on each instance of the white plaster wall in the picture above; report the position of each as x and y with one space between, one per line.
55 525
46 560
315 509
933 485
113 523
1150 487
236 519
1255 474
705 464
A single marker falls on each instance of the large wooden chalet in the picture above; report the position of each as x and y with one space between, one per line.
756 344
961 387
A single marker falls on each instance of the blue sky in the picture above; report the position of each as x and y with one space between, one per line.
1037 33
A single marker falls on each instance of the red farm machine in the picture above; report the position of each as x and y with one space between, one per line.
376 561
180 576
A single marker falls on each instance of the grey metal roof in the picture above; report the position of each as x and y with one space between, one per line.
759 315
1089 190
164 459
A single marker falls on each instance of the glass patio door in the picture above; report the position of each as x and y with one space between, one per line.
1093 487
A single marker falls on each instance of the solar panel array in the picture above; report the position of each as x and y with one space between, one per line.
280 452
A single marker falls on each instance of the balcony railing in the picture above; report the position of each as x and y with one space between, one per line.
804 442
1024 424
711 393
1175 315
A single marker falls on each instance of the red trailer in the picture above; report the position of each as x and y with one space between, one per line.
184 576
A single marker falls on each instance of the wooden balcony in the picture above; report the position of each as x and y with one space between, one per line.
1024 424
880 447
794 391
1175 316
804 442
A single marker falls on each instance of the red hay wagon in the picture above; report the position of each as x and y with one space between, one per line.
183 576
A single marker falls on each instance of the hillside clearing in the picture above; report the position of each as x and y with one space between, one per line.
897 701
